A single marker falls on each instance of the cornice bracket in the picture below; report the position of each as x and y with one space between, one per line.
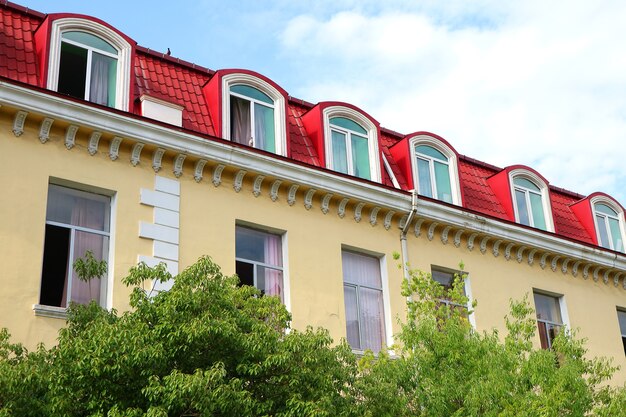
238 181
470 241
70 136
308 198
341 210
217 174
357 211
543 260
198 169
520 254
274 190
374 215
326 202
586 271
114 148
507 251
564 265
44 130
157 157
431 230
256 187
553 264
18 123
483 244
135 154
418 227
388 218
179 164
575 268
444 234
94 139
291 197
496 247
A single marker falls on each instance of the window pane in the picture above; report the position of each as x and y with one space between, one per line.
89 40
270 281
361 269
522 209
348 124
246 90
340 156
603 232
72 70
78 208
430 151
603 208
442 178
372 323
245 272
249 244
352 317
240 127
539 219
547 308
360 157
102 84
523 182
423 177
55 266
616 235
84 292
621 316
264 128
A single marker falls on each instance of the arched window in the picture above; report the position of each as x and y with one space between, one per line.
87 68
89 61
608 227
253 113
350 152
529 202
433 173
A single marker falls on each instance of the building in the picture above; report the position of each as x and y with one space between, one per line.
138 156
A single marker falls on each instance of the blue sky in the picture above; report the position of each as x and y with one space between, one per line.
534 82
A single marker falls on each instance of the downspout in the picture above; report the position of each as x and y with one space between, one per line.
405 229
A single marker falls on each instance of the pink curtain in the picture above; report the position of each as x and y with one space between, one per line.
240 128
99 83
273 256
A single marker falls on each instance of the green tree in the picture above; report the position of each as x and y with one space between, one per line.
443 367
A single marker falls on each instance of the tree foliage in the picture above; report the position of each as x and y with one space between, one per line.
209 347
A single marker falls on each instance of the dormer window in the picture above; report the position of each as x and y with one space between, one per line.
608 226
252 120
89 61
530 203
350 153
87 68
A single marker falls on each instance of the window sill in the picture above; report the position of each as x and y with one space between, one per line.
50 311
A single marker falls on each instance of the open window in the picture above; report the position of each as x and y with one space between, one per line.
446 278
621 318
435 170
76 222
531 201
551 314
609 221
89 61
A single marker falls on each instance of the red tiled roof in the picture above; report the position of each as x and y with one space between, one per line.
17 49
180 82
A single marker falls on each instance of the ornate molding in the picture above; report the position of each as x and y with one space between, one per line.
575 268
596 271
388 218
256 187
274 190
357 211
483 244
198 169
431 230
308 198
457 237
18 122
179 164
70 136
217 174
114 148
586 271
444 234
291 196
531 257
135 155
326 202
520 254
157 157
605 279
543 260
94 140
496 248
470 241
402 221
507 251
553 264
238 180
341 210
418 227
616 278
374 215
564 265
44 129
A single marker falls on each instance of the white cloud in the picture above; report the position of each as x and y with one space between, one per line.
542 84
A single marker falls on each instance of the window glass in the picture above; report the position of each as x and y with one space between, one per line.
609 230
430 151
363 298
603 208
536 205
259 260
529 203
423 176
76 222
88 39
603 232
522 208
442 178
360 157
264 128
446 279
340 152
621 316
252 120
549 320
433 173
348 124
248 91
616 235
523 182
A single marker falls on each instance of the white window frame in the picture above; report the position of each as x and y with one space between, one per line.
285 257
106 282
545 197
620 219
565 325
372 138
280 116
384 279
123 76
453 167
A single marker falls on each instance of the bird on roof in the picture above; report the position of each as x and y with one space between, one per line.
168 53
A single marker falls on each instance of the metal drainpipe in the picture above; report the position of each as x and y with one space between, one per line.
404 249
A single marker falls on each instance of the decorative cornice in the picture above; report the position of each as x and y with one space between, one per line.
374 215
444 234
114 148
326 202
418 227
238 180
291 196
44 130
94 140
431 230
198 169
178 165
457 237
274 190
388 218
256 187
157 158
18 122
217 174
70 136
341 209
470 241
135 155
357 211
308 198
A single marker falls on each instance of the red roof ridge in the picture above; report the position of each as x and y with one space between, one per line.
301 102
479 163
391 132
174 60
569 193
24 10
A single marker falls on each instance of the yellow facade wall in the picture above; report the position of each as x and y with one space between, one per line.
208 215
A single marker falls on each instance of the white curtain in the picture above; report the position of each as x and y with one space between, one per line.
99 84
273 256
240 128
